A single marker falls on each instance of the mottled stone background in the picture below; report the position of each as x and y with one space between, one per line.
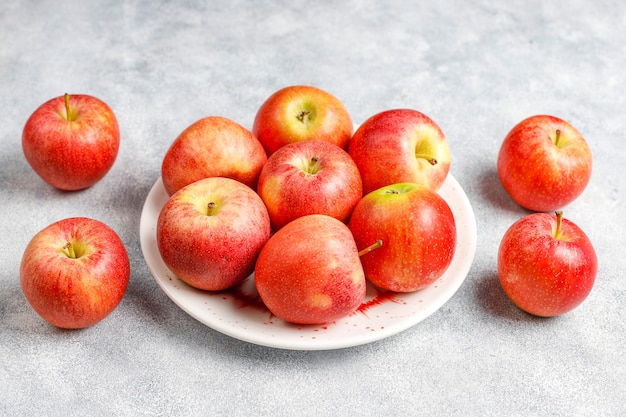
476 67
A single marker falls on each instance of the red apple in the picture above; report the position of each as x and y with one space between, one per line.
212 147
546 264
75 272
544 163
210 232
299 113
309 271
418 234
398 146
309 178
71 142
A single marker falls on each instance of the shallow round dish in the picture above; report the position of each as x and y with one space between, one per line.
239 312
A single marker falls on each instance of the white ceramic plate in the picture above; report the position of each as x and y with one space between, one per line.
240 313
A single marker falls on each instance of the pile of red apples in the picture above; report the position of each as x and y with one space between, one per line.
311 206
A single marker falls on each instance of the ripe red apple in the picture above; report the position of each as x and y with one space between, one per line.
398 146
544 163
418 234
75 272
298 113
71 142
210 232
546 264
212 147
309 178
309 271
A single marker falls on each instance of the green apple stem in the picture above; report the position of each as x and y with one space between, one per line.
67 107
371 247
70 115
430 159
69 251
211 208
313 166
557 138
559 220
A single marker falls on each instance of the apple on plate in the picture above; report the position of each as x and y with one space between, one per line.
399 146
210 232
299 113
213 146
71 142
546 264
418 234
309 178
544 163
309 271
75 272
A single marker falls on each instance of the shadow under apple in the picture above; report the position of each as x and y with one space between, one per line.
492 298
492 191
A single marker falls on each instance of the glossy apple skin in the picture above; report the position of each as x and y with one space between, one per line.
309 178
212 251
541 274
398 146
309 271
538 174
74 293
299 113
71 154
213 146
418 234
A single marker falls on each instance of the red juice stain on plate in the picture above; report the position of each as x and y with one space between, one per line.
380 298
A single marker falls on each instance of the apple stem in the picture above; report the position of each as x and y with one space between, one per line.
559 220
211 208
371 247
68 249
558 137
430 159
67 106
70 115
314 165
